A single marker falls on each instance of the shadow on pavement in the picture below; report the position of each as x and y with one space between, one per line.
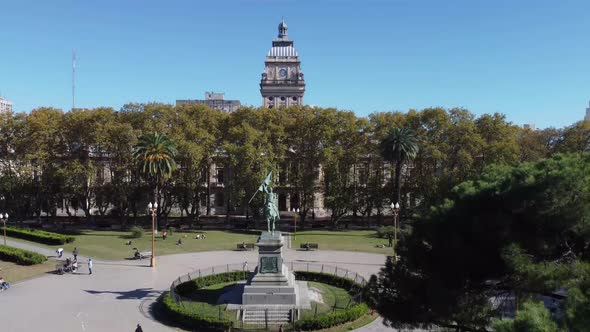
135 294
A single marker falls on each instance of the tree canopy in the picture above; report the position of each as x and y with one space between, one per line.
521 230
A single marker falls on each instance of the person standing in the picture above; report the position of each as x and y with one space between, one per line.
75 253
89 265
164 234
138 329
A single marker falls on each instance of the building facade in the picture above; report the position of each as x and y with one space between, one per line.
282 82
5 105
587 117
215 101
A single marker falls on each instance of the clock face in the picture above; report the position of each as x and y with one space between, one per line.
283 73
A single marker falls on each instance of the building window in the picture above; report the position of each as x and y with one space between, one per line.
220 175
294 98
219 199
271 98
283 98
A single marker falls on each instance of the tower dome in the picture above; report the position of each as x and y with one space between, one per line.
282 29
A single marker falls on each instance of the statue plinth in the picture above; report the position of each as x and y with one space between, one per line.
272 283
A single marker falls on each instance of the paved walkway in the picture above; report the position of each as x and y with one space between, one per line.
117 295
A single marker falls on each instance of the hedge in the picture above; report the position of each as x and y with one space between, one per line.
190 286
39 236
340 282
192 319
20 256
328 320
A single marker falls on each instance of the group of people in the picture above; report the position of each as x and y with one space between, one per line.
71 265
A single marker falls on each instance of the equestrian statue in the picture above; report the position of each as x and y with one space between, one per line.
271 210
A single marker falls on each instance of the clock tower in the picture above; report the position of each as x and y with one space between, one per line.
282 82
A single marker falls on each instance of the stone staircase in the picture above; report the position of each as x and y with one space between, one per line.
276 315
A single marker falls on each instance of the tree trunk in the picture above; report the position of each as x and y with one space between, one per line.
398 176
157 200
208 201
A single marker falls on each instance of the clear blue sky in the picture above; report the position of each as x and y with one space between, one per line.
528 59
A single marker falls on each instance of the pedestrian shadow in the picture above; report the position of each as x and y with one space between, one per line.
135 294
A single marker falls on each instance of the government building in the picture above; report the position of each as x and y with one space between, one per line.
282 82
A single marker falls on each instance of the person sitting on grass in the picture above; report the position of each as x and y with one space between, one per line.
179 242
3 284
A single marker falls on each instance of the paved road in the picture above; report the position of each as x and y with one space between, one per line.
117 295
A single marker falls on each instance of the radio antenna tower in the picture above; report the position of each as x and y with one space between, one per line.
73 79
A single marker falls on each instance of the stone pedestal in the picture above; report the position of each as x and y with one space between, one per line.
272 282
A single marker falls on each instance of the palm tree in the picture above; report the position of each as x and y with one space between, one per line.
400 146
154 155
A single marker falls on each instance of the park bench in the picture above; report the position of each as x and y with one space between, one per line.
245 246
309 246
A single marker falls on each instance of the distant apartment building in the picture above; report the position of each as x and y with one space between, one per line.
5 105
529 126
587 117
215 101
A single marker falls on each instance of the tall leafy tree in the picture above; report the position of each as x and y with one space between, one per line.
154 155
399 147
514 230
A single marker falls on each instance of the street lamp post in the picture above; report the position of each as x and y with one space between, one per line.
4 220
153 209
296 210
395 209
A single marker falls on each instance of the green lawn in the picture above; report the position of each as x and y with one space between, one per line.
13 272
204 301
110 245
332 298
366 241
364 320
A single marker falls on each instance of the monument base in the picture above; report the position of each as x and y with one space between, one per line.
272 283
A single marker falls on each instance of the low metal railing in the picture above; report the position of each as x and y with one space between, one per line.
249 266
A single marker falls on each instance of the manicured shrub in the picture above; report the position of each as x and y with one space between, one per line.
191 286
40 236
192 319
385 232
328 320
340 282
20 256
136 232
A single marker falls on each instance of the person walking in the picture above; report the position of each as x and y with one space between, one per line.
75 253
89 265
138 329
164 235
